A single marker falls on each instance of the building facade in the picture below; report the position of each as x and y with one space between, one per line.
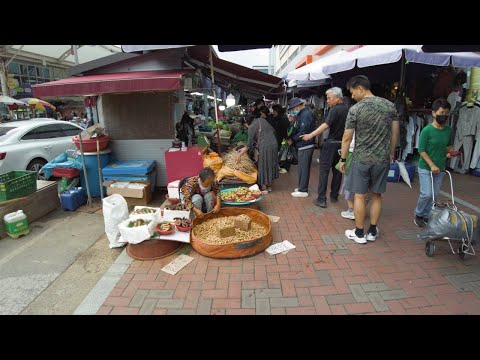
290 57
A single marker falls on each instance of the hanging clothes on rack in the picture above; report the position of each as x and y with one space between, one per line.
475 162
468 118
411 129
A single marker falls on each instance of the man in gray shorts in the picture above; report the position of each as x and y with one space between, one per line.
374 121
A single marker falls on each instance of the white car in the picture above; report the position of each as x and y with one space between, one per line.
30 144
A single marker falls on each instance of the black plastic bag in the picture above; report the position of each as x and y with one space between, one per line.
282 154
292 155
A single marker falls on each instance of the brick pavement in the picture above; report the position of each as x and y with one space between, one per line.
325 274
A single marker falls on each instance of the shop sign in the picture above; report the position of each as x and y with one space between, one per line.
22 90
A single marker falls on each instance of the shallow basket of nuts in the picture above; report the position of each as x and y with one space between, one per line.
216 236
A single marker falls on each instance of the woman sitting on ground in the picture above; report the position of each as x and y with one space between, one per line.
201 193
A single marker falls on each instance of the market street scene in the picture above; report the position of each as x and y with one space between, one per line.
239 179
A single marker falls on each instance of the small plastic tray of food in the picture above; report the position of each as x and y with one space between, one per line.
255 197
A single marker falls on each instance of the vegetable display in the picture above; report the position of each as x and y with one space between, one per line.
244 165
144 211
240 195
136 223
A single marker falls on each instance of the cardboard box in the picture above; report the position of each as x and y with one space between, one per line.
172 214
134 197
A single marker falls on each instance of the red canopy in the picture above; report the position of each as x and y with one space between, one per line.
139 81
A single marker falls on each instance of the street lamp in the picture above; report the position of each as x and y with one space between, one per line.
230 100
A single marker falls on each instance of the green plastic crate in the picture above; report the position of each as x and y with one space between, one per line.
16 184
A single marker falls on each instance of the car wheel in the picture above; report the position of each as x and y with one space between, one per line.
36 165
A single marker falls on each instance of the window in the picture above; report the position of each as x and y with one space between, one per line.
24 70
70 130
6 132
14 68
44 132
32 71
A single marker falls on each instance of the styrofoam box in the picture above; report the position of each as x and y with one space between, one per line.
136 235
148 217
169 215
173 189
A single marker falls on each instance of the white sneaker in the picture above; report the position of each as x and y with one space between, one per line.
299 194
282 171
352 236
296 190
371 237
348 214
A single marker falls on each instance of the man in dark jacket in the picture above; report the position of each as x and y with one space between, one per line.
329 156
305 124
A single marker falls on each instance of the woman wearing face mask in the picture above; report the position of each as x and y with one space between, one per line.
201 193
435 147
261 133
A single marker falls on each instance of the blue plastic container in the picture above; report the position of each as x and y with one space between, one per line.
131 170
91 164
72 199
394 173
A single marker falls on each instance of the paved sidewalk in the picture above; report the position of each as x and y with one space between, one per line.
325 274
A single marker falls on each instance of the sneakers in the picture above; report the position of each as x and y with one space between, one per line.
352 236
320 203
425 221
297 193
418 220
333 200
371 237
349 214
282 171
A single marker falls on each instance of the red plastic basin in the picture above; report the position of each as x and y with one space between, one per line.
90 145
68 173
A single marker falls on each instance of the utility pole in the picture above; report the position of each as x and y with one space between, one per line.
75 53
3 77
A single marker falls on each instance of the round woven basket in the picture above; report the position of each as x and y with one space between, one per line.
236 250
153 249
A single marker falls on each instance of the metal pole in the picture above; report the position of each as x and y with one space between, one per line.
75 53
402 73
215 103
3 77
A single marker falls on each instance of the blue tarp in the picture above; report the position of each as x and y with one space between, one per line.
61 161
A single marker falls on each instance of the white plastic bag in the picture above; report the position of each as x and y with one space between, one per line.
404 173
115 210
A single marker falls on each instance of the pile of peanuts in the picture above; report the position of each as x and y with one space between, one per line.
207 233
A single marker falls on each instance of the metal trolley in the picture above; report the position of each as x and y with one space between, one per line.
465 244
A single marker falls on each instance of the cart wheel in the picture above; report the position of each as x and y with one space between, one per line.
461 253
429 248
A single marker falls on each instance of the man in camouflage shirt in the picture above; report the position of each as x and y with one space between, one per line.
374 121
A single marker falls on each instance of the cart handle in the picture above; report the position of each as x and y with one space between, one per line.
451 188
